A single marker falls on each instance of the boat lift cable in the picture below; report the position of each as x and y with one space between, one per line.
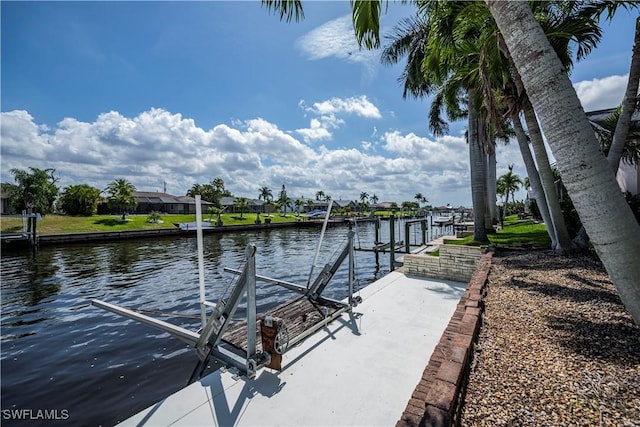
324 228
232 281
355 225
165 313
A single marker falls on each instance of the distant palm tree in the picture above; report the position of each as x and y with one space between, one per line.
364 196
507 184
299 203
420 199
121 195
194 190
265 194
241 204
320 195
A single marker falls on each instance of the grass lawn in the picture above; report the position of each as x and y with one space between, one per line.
62 224
515 233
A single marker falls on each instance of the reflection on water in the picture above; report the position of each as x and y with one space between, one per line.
59 352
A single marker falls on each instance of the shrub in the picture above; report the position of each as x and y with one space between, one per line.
154 217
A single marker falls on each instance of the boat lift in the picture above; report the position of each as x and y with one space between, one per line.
224 344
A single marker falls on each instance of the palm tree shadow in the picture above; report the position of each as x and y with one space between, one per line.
559 291
616 340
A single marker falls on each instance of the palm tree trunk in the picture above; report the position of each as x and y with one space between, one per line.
491 183
563 240
477 172
628 105
534 177
587 175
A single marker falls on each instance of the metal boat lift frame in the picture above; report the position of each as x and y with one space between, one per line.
208 342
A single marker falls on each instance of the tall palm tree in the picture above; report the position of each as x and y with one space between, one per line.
284 200
364 196
121 195
265 194
445 61
607 218
533 176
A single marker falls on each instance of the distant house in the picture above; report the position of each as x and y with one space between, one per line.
160 202
628 176
386 206
337 204
253 205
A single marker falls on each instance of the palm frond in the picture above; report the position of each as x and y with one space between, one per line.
288 9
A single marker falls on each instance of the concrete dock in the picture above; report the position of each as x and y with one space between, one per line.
359 370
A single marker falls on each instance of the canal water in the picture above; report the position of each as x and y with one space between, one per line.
67 362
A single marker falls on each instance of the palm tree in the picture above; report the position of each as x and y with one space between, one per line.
629 105
194 190
298 204
374 199
241 204
218 185
320 195
35 189
607 218
507 184
284 200
121 195
445 62
265 194
364 196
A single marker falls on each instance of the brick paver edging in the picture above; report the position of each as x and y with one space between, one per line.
436 399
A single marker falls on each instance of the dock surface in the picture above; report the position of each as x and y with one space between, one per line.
359 370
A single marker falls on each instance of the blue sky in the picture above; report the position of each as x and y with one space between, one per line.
182 93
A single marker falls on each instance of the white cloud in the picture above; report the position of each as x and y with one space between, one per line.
447 152
359 106
336 39
157 146
600 94
315 132
328 111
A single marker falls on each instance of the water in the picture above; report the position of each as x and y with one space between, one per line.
86 366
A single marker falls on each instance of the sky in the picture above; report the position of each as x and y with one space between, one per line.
172 94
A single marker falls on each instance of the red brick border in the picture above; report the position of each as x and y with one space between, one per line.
436 398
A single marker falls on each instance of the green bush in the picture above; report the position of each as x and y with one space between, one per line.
154 217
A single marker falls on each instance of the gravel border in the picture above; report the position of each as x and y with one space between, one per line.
556 347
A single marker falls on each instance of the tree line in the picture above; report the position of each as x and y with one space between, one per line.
36 190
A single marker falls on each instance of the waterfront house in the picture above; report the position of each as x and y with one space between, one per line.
152 201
